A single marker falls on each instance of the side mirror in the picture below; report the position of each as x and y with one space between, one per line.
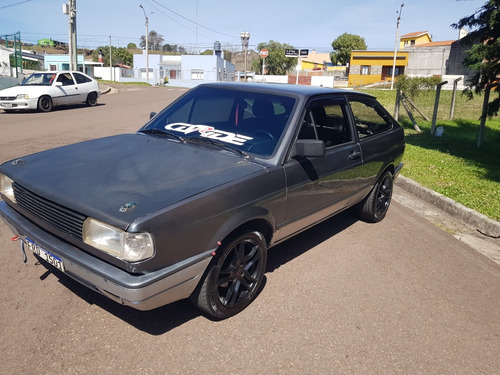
309 148
58 84
151 115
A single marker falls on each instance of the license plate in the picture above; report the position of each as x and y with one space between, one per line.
6 105
44 254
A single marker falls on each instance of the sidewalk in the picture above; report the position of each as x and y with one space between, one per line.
477 230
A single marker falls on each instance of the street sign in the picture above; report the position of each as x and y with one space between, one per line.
264 53
296 52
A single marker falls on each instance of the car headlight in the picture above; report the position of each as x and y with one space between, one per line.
131 247
6 187
22 96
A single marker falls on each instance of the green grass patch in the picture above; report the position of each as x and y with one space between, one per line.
452 164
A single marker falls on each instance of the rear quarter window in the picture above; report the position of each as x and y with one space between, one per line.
369 116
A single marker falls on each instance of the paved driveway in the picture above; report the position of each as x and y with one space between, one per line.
398 297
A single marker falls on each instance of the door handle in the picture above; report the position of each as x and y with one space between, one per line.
355 155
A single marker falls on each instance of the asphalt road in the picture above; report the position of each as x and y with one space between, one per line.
346 297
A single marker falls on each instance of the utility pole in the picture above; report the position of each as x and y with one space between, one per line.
396 46
70 10
147 44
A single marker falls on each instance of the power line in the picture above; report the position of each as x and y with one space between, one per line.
12 5
194 22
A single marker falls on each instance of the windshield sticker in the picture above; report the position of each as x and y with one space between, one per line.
209 132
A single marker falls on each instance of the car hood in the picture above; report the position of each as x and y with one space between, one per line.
122 178
31 90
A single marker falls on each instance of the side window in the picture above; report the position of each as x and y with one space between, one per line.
66 79
80 78
370 117
326 120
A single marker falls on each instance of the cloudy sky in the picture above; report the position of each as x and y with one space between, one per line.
197 24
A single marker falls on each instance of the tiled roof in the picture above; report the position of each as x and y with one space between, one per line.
435 44
414 34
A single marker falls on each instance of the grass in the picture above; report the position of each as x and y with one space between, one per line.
452 164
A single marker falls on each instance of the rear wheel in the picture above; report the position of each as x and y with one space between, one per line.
45 103
91 99
374 207
235 277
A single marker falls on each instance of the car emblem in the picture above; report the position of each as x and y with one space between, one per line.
128 207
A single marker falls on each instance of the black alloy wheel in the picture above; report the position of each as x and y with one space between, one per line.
235 278
375 206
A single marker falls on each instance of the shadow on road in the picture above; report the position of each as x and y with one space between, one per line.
163 319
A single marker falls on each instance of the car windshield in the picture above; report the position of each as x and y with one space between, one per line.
251 122
39 79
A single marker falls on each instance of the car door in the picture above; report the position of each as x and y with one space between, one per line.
318 187
373 128
66 89
84 84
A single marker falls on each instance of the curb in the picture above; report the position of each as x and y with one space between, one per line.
480 222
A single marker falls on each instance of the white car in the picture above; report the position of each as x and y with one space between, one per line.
45 90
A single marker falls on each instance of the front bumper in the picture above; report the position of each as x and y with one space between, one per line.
142 292
19 104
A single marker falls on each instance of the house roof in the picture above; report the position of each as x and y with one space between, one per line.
435 44
414 34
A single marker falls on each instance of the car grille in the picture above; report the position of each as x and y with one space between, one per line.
68 221
7 98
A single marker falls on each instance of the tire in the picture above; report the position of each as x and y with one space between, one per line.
91 99
235 277
374 207
45 103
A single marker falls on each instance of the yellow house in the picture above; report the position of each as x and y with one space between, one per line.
414 39
367 67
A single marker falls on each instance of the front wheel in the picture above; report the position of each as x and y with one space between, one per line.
234 279
374 207
45 103
91 99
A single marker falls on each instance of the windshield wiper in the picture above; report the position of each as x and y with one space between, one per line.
161 133
216 143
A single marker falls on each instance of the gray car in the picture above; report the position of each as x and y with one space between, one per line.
188 206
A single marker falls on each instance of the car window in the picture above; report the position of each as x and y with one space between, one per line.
250 121
66 79
370 117
80 78
326 120
39 79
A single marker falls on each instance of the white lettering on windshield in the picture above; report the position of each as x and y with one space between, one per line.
209 132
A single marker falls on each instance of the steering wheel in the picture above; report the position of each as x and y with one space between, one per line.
264 133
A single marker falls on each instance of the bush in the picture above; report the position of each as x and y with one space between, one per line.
412 86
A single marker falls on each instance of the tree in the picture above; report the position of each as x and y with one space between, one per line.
483 57
276 62
155 41
118 55
343 46
131 46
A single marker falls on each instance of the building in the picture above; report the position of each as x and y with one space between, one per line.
414 39
441 58
368 67
176 70
53 62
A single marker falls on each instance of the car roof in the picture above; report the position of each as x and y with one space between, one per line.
281 88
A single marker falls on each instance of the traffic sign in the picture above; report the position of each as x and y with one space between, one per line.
292 53
296 52
264 53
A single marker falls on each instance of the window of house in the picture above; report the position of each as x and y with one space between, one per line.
365 69
197 74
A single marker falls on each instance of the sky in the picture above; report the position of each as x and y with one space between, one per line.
197 24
